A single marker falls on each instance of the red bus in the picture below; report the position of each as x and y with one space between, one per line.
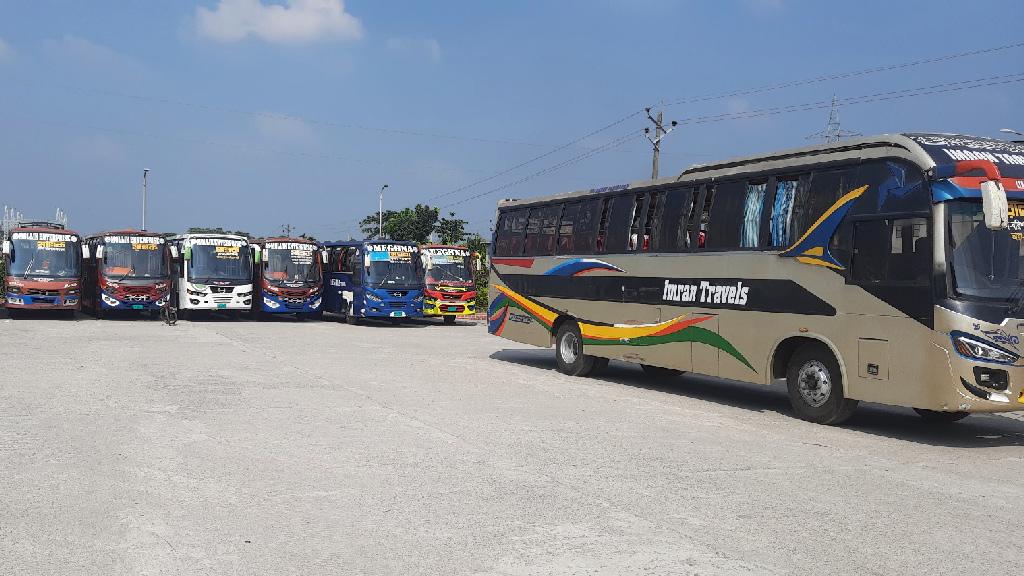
44 269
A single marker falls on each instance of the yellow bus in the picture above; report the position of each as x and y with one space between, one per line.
885 269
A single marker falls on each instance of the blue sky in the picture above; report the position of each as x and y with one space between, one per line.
255 114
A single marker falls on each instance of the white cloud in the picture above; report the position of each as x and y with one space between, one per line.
429 47
6 53
294 22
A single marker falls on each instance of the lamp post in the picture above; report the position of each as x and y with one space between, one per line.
145 174
380 213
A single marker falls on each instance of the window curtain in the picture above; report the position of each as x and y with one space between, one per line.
782 213
752 215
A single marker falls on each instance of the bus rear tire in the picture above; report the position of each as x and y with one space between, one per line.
569 356
815 386
937 417
449 320
660 373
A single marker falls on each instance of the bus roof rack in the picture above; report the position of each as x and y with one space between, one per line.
41 224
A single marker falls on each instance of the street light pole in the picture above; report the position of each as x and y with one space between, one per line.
145 174
380 213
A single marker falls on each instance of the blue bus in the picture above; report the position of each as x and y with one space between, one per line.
373 279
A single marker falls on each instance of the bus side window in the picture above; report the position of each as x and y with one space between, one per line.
726 221
705 216
753 205
565 228
782 231
891 251
690 217
549 219
654 208
669 232
602 227
509 235
585 229
533 227
619 217
635 221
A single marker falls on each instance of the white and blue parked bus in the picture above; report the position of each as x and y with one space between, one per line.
373 279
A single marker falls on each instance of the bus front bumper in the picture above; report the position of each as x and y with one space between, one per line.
448 308
280 305
108 302
35 302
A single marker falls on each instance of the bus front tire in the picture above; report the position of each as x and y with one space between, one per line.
660 373
449 320
937 417
569 355
815 386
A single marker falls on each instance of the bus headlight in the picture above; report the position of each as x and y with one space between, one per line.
978 350
270 303
108 300
14 289
163 300
418 298
315 304
371 296
16 301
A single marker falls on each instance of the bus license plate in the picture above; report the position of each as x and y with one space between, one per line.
222 305
453 308
398 314
137 306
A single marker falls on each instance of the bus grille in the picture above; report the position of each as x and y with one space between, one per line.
41 292
222 289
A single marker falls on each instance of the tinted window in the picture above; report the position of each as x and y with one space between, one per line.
619 217
635 222
652 219
893 186
826 188
509 236
891 250
723 230
670 221
703 218
585 229
566 228
540 230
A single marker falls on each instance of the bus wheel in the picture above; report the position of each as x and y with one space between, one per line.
13 313
449 320
816 386
350 318
569 354
660 373
937 417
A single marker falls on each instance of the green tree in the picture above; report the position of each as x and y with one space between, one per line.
451 230
309 237
411 224
217 230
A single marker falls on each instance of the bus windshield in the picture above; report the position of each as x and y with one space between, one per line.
393 270
449 270
44 255
987 264
134 257
292 264
229 262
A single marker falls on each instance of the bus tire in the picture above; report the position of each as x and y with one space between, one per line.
815 386
937 417
13 313
659 373
449 320
569 356
351 319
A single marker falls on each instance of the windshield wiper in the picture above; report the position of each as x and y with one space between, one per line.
131 269
28 268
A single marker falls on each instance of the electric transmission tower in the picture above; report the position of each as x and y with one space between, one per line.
833 132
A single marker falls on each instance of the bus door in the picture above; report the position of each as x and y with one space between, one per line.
344 280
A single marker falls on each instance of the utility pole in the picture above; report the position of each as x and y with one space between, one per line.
286 229
833 132
145 174
659 133
380 213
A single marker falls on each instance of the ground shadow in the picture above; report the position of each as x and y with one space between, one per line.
976 431
46 315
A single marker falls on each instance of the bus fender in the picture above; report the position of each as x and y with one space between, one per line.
562 319
785 346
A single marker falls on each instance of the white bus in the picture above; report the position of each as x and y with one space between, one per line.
886 269
214 272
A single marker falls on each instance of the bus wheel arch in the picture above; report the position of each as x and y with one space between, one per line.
570 358
783 352
815 379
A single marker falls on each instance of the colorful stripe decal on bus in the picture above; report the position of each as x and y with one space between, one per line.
579 266
812 247
680 329
517 262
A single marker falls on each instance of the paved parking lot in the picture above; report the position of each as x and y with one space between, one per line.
219 447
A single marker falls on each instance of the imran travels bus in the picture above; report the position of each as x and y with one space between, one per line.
128 270
214 272
886 269
288 277
44 269
373 279
449 280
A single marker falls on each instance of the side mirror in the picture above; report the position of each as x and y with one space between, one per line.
85 251
99 252
7 247
257 255
323 257
366 260
174 251
188 253
994 205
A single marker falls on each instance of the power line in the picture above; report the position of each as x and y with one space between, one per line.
842 75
